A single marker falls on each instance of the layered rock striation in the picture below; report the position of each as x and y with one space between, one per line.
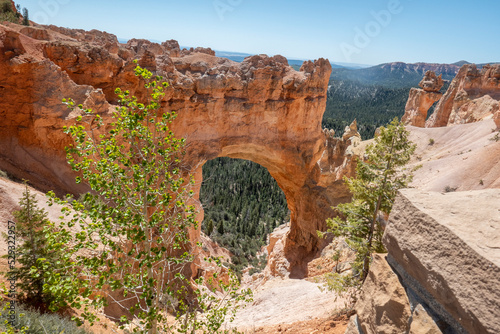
442 272
261 110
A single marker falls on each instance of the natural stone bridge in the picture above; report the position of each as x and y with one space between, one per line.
260 110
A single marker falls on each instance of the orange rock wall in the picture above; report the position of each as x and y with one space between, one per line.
473 95
260 110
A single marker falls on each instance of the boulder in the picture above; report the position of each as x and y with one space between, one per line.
446 248
431 82
383 306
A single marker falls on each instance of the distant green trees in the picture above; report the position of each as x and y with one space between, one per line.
371 105
242 204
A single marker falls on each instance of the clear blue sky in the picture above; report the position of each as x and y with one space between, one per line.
357 31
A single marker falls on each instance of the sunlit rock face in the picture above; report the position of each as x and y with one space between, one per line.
421 99
260 110
473 95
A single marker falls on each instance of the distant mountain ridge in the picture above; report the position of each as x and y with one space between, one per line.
398 74
395 74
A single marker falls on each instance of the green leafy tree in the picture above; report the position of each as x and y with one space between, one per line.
378 178
132 246
32 253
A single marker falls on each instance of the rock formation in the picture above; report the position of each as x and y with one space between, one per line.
420 100
444 248
385 307
466 251
431 82
473 96
261 110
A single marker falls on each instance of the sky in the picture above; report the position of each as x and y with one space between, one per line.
358 31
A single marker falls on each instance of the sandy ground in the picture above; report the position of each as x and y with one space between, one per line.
462 157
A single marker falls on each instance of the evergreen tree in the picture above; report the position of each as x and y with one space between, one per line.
220 229
26 20
210 227
373 192
32 254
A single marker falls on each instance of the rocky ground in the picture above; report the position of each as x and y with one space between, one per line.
284 303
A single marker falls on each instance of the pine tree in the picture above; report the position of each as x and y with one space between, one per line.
26 20
32 255
374 190
210 227
220 229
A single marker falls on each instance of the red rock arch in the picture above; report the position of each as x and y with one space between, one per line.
260 110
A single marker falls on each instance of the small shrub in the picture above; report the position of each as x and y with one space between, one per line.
431 141
449 189
37 323
4 175
481 182
496 137
7 12
6 6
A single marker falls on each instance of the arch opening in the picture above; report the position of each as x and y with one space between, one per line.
242 205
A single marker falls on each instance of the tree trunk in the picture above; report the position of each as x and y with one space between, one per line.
366 262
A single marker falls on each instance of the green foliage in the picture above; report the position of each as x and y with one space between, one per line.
247 200
132 242
373 96
449 189
26 20
374 189
496 137
7 12
431 141
210 227
4 175
35 259
30 321
398 76
217 303
6 6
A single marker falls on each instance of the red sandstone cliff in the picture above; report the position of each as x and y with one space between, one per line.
473 96
261 110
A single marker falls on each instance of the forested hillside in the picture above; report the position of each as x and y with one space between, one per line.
394 75
371 105
242 204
